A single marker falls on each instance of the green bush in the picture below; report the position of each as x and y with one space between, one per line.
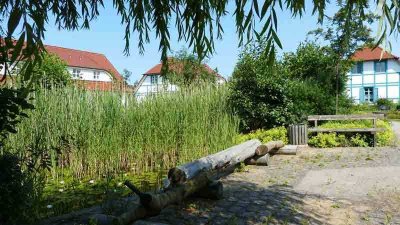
384 104
324 140
329 140
274 134
20 191
301 84
259 94
393 115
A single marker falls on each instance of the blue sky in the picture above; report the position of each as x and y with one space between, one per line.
106 36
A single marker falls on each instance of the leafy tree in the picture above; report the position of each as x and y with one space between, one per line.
185 69
259 93
126 74
345 37
51 72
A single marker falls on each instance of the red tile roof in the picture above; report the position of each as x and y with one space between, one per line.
157 69
84 59
368 54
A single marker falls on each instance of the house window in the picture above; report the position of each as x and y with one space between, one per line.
380 66
357 68
76 73
96 75
154 79
369 94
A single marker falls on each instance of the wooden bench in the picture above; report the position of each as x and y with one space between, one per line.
374 117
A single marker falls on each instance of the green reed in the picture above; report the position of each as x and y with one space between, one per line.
93 133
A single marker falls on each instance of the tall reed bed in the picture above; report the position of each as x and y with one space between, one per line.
89 133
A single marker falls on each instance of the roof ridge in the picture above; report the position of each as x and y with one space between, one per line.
78 50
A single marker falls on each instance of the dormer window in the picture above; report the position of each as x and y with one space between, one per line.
76 73
96 75
380 66
357 68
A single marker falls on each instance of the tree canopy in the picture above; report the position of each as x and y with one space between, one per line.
196 22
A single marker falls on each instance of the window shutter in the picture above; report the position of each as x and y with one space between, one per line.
375 94
361 95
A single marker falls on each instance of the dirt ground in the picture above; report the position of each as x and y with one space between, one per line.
317 186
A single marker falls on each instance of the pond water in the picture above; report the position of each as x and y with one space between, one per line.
69 194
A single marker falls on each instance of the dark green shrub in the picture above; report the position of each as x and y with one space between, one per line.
259 95
19 191
384 104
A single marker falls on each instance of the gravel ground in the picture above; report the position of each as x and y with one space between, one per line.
317 186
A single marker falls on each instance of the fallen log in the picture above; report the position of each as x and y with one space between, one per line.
152 204
269 147
287 150
262 160
230 156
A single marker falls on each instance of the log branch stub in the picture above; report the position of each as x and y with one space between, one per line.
272 147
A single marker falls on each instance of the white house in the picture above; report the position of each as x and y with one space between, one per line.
152 82
92 70
375 75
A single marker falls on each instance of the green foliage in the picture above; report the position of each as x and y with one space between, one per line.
311 71
13 103
328 140
20 191
51 72
358 140
185 69
303 83
324 140
259 93
95 133
393 115
199 23
384 104
274 134
126 74
361 108
346 36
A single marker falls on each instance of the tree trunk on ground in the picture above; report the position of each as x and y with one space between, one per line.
269 147
230 156
258 160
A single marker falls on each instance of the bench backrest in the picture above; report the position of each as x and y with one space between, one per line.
346 117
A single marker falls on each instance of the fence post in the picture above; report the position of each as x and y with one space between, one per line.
298 134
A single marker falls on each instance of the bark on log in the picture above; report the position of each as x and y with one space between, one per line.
270 147
230 156
287 150
258 160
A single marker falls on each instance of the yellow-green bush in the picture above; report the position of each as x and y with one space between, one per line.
324 140
329 140
274 134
